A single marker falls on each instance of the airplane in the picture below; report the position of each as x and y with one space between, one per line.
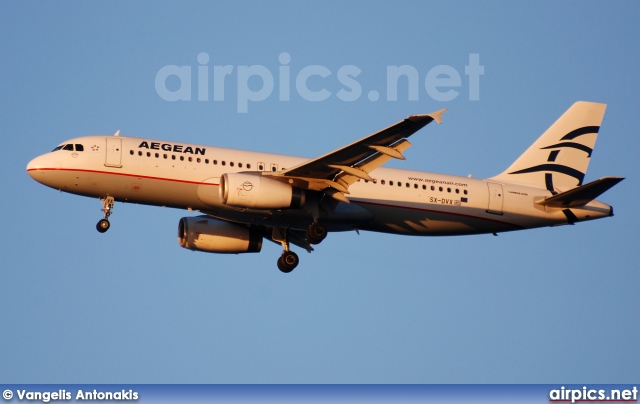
245 197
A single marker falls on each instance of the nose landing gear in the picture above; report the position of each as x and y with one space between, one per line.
107 208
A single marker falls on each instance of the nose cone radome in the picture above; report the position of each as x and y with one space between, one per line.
36 168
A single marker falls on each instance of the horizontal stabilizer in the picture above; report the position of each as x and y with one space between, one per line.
581 195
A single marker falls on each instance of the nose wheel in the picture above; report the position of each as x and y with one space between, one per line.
103 225
107 208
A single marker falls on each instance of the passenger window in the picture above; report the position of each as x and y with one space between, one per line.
240 165
464 192
181 158
382 182
131 152
139 153
248 165
148 154
440 189
223 163
231 163
433 188
206 161
198 160
390 182
157 155
260 167
215 162
424 187
190 159
399 184
448 189
457 191
165 156
173 157
79 147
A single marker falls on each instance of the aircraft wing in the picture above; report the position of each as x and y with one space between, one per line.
335 171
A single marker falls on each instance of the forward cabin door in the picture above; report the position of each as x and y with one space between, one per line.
114 152
495 198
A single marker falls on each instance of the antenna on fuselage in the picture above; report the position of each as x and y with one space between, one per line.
117 133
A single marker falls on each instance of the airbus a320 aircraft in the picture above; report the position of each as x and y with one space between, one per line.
245 196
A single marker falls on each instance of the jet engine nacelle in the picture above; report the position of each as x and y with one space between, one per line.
255 191
203 233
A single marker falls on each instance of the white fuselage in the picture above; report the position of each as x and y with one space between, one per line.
186 176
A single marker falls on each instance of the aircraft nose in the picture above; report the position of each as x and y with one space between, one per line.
33 165
35 168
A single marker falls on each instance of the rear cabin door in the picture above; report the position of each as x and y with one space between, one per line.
495 198
114 152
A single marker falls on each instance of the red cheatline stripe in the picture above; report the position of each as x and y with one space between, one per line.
123 175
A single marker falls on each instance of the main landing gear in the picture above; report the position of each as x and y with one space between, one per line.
289 260
316 233
107 208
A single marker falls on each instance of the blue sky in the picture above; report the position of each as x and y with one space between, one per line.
542 306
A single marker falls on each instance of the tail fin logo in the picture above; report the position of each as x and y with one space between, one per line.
559 168
559 158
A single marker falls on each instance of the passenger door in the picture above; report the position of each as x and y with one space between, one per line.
114 152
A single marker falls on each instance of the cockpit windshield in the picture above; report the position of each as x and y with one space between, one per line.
70 147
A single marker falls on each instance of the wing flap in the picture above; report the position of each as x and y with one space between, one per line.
373 162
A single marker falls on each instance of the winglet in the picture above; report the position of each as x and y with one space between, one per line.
437 116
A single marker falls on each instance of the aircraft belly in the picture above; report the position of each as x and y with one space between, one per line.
297 219
424 220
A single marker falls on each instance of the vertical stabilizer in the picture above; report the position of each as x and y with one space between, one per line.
558 160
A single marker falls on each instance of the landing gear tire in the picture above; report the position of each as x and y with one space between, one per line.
288 261
107 208
316 233
103 225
